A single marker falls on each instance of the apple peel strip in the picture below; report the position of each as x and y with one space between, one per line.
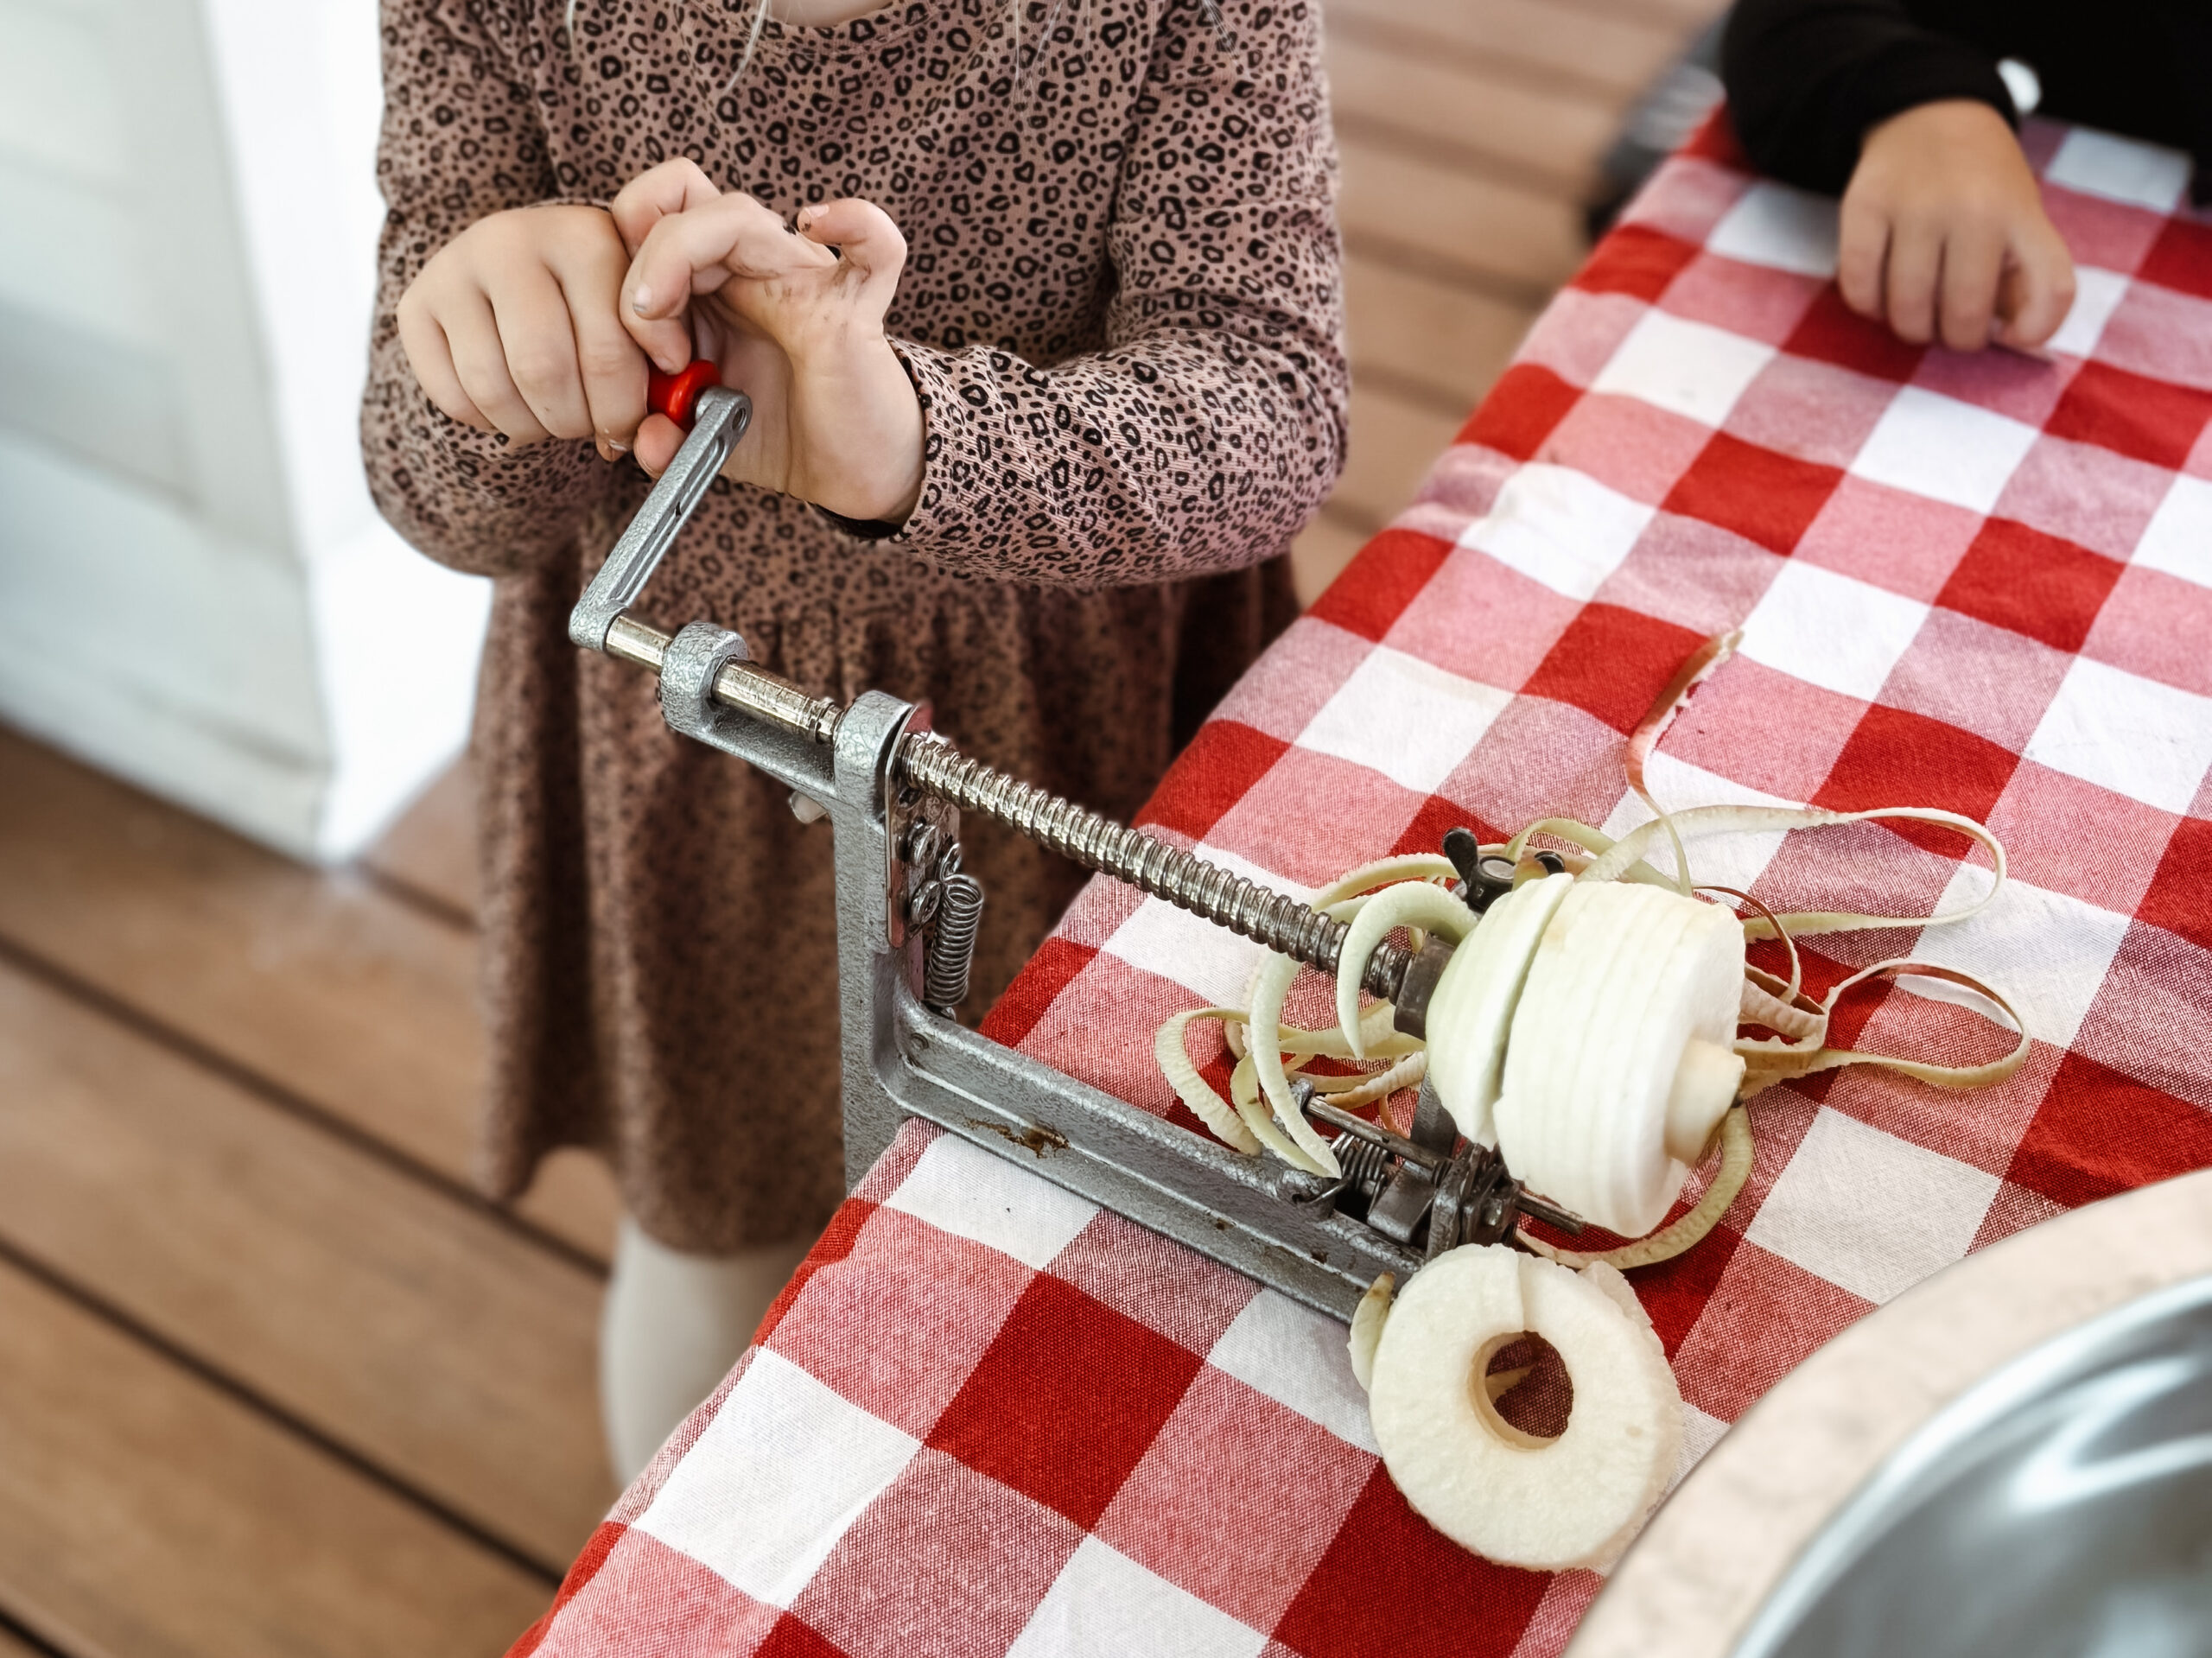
1736 1154
1408 891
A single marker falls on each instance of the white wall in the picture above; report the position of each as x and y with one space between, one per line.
194 588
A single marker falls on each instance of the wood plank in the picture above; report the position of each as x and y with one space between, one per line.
145 1513
1393 444
1493 120
359 1004
430 850
1522 242
1319 555
1409 329
1597 55
421 1334
1684 17
574 1198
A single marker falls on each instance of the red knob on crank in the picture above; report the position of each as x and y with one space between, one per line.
675 395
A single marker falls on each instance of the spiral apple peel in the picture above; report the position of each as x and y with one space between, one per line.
1588 1026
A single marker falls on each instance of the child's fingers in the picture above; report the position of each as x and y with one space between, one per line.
665 340
1974 259
695 252
612 366
656 319
674 187
658 439
1915 264
863 232
614 371
430 354
1862 256
479 359
541 351
2038 287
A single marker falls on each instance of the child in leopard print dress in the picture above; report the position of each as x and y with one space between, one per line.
1030 444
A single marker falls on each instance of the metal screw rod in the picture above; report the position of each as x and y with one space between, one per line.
928 763
1550 1213
740 685
1375 1134
1221 896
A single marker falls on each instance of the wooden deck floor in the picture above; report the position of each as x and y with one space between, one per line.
273 1380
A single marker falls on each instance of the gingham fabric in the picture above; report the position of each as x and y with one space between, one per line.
989 1419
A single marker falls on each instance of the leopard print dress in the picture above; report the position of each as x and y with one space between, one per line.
1121 312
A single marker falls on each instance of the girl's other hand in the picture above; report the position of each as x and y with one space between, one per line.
1944 235
513 327
793 317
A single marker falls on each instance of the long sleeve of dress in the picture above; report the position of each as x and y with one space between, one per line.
1210 425
462 137
1806 79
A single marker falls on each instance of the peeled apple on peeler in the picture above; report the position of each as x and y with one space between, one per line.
1588 1025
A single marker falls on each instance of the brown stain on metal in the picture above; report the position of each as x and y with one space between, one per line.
1036 1138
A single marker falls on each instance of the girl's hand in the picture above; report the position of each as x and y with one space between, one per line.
512 327
792 324
1944 235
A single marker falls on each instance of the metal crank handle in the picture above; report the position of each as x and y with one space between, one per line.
717 417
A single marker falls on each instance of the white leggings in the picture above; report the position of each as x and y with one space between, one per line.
672 1327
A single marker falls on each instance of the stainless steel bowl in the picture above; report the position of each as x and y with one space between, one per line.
2061 1507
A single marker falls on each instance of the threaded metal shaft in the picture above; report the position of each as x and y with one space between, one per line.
1189 882
927 762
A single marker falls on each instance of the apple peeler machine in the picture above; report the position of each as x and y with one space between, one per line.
907 916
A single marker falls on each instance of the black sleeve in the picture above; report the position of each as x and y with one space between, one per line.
1806 79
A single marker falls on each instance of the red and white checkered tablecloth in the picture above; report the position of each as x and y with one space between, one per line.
990 1419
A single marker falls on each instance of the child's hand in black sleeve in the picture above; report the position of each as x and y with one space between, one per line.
1944 236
